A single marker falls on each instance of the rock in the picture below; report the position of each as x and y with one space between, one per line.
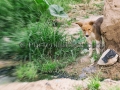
111 61
89 70
6 79
86 71
83 76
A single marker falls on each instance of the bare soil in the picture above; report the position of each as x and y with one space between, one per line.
111 72
76 67
8 63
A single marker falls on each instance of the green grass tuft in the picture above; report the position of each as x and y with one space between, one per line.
26 71
94 83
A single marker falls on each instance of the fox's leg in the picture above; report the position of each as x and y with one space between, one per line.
98 45
90 47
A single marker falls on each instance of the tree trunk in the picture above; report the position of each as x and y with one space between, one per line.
110 27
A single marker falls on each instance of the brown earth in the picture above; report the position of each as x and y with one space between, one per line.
111 72
8 63
76 67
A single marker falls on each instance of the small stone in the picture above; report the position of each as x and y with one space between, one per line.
83 76
90 69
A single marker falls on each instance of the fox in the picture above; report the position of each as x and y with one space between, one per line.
92 31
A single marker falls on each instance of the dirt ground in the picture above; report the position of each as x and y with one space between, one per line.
8 63
76 67
111 72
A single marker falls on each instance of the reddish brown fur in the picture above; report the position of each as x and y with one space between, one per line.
92 27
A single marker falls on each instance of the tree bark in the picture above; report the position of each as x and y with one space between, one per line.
110 27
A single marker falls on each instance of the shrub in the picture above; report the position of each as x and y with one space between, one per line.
26 71
94 83
95 56
50 66
18 13
35 40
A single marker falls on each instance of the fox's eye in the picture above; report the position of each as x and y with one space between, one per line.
88 29
83 30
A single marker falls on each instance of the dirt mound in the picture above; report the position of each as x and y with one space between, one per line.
60 84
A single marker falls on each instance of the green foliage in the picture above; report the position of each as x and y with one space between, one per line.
99 6
42 5
95 56
57 11
43 39
62 3
82 40
83 1
16 14
29 32
86 16
81 37
94 83
49 66
26 71
36 39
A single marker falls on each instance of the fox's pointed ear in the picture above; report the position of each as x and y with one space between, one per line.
91 22
79 23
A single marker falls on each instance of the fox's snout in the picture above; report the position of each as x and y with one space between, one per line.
87 35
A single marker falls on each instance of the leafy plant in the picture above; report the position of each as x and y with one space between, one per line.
94 83
49 66
17 14
26 71
42 5
86 16
99 6
57 11
95 56
36 40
